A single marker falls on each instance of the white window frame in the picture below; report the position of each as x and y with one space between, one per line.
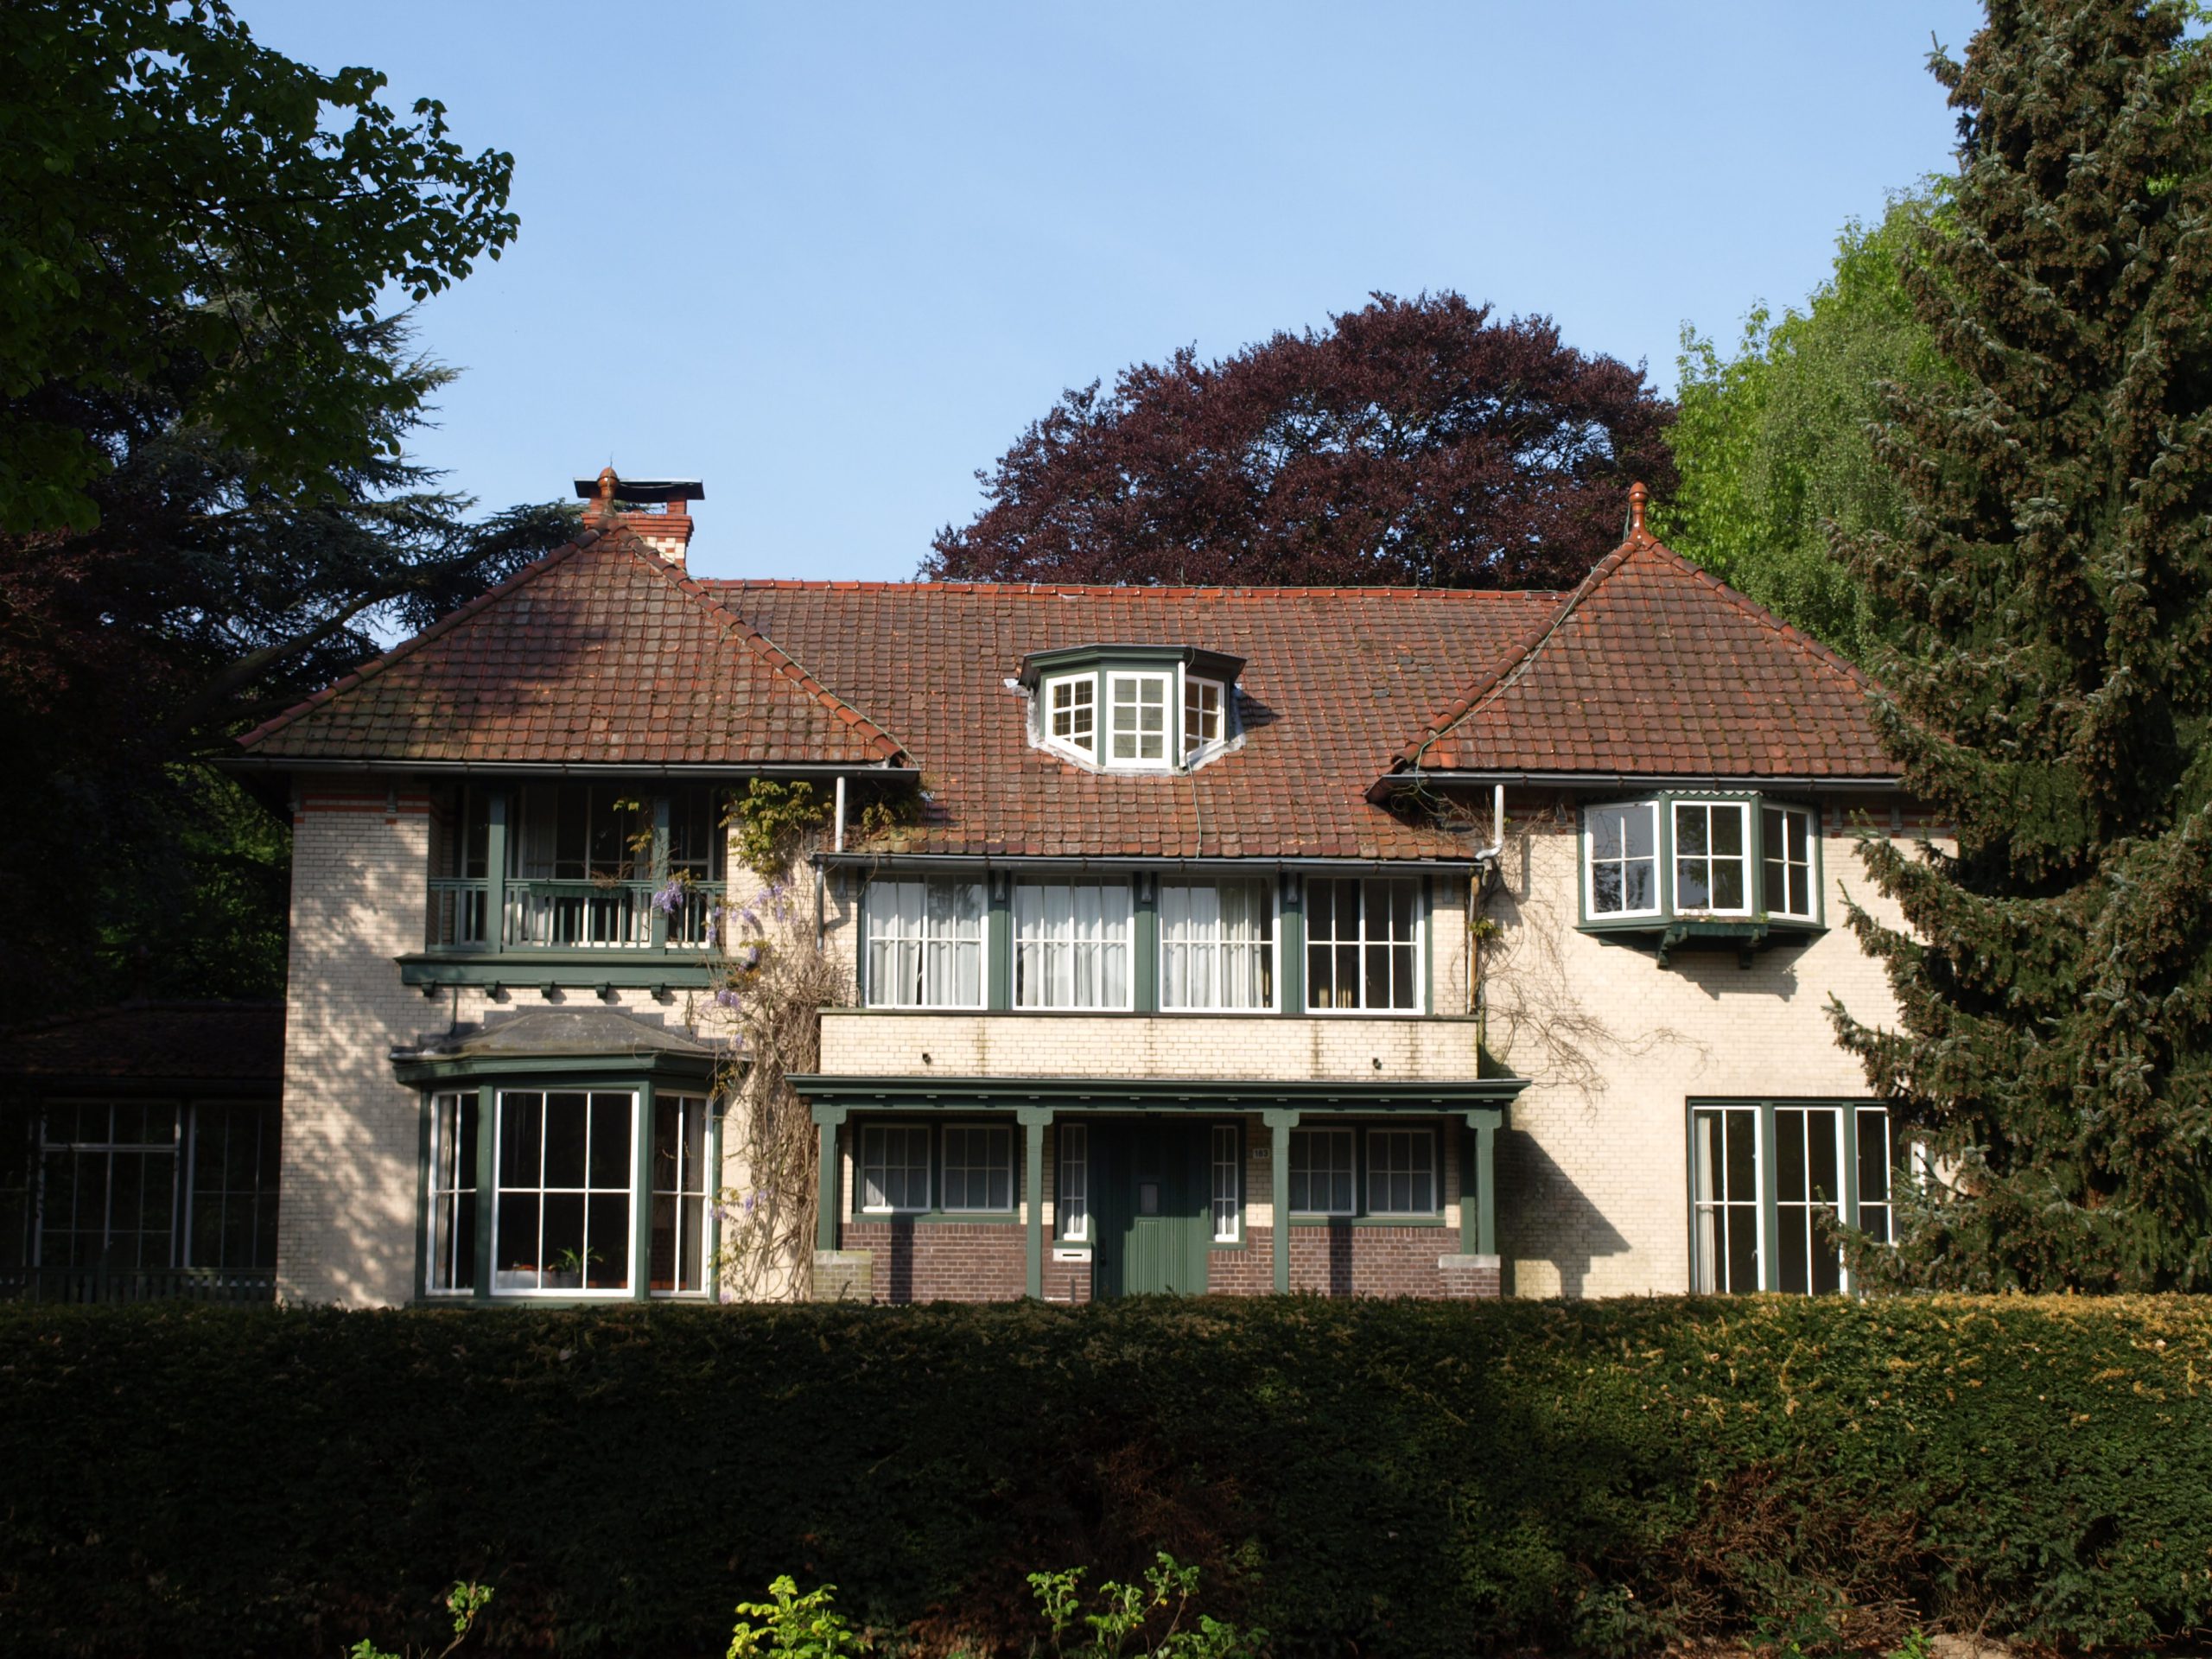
1193 744
1810 820
998 1135
1071 1186
1045 948
1272 944
623 1291
862 1163
1590 862
693 1191
1226 1163
449 1200
1708 1257
1337 1133
1378 1136
903 993
1361 943
1748 858
1054 685
1169 707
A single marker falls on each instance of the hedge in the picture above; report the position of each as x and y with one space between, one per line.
1371 1478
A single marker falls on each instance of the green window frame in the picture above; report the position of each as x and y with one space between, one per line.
1765 1173
1380 1162
964 1164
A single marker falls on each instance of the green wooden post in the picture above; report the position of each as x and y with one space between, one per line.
487 1183
641 1190
1145 987
1294 946
1483 1122
998 944
826 1119
495 870
1032 1120
1279 1124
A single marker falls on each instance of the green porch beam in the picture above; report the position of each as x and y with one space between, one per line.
1032 1120
495 871
1279 1124
1482 1127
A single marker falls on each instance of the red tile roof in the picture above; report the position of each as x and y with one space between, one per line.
600 652
1654 667
1335 679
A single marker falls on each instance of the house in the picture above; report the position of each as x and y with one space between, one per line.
1350 940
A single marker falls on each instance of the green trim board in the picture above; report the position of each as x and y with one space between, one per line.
574 1070
826 1092
523 970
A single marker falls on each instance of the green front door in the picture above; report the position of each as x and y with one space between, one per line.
1155 1217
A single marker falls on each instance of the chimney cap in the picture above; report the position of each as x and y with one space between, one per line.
644 489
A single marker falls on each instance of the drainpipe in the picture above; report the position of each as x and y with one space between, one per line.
1485 871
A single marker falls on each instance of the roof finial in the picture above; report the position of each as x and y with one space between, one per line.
1637 495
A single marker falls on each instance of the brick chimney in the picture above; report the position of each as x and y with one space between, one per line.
658 509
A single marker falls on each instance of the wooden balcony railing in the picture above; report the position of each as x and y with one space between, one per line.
544 915
106 1285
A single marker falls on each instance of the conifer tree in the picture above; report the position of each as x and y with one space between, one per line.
2053 570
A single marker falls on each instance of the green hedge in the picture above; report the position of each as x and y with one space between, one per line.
1372 1477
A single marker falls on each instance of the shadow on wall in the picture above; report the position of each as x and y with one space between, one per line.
1544 1218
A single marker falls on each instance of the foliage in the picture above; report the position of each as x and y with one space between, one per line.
803 1627
182 208
465 1601
2052 575
1128 1611
1774 445
1379 1478
1414 442
770 819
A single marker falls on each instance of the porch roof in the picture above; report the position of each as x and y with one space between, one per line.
910 1093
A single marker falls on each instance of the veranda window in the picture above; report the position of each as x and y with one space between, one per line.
1228 1183
1401 1172
1072 943
1071 1196
1217 945
107 1184
1323 1180
978 1168
562 1216
681 1183
894 1168
1363 944
924 944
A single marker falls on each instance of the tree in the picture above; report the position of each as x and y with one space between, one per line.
203 429
182 207
1774 445
1415 443
2052 577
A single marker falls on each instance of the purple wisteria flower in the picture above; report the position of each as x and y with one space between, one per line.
668 898
729 999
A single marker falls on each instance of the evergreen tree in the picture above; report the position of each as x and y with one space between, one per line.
2052 574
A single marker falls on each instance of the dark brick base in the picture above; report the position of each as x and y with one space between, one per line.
944 1260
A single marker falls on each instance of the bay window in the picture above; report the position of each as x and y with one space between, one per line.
1688 866
452 1264
924 944
1217 945
1071 945
681 1183
1363 944
561 1210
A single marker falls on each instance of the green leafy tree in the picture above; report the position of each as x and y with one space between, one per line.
1774 445
2051 575
181 207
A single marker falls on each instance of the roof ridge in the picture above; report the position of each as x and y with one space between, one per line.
799 584
451 620
773 656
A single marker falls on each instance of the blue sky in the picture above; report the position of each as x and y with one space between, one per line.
832 258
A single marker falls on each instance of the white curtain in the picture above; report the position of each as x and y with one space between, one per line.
1215 944
926 944
1071 945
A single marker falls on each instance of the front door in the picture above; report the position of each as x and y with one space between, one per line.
1154 1220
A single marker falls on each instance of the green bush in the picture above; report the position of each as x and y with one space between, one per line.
1374 1478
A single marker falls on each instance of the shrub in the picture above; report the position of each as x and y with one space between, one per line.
1385 1477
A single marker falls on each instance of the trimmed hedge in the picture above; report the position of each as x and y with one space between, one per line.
1379 1478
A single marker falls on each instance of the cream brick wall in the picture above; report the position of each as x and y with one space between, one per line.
1593 1170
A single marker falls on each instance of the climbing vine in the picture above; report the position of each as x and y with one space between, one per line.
769 820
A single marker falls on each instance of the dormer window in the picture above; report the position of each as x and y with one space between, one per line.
1693 866
1133 707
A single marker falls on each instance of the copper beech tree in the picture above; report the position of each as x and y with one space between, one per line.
1414 442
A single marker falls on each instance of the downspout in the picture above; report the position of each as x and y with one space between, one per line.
1479 884
836 845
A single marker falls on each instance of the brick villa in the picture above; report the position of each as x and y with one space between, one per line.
1352 941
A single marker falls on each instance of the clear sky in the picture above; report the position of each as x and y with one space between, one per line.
832 257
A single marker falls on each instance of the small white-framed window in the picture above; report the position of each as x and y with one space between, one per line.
1217 945
1323 1178
678 1262
1401 1172
1713 866
1725 1199
453 1193
1204 722
924 944
1072 1195
1786 863
1620 859
978 1165
894 1168
1072 712
562 1209
1363 945
1136 731
1072 941
1228 1183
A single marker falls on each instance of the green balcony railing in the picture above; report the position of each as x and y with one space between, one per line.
547 915
107 1285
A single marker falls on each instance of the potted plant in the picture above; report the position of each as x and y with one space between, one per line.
566 1270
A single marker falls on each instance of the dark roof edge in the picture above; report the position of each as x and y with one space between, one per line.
1132 861
1820 783
704 771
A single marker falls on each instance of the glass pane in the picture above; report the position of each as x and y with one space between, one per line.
1606 834
606 1219
1691 890
1727 831
1639 831
1606 893
1642 885
1789 1156
1727 884
1691 828
610 1141
567 1127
